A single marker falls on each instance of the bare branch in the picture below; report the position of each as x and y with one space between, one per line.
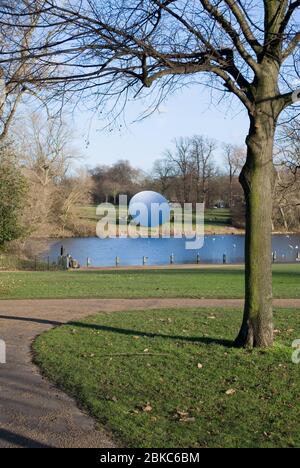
292 46
248 34
232 33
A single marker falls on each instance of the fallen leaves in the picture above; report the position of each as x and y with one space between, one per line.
184 416
231 392
147 408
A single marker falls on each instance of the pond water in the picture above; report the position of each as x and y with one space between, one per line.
131 251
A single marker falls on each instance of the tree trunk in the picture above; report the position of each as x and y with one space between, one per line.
283 218
230 189
258 180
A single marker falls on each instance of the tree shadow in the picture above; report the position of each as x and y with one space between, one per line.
34 320
129 332
123 331
20 441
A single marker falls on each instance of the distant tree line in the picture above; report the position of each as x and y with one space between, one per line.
40 191
189 173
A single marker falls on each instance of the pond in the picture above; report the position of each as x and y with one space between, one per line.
103 252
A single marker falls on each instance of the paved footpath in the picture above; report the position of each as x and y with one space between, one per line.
33 412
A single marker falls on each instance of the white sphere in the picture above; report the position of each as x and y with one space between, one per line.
149 209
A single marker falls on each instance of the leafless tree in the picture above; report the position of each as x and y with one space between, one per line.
162 172
202 153
111 181
45 151
180 161
73 190
287 193
114 50
234 158
45 146
20 73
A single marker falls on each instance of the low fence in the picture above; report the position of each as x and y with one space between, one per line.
15 263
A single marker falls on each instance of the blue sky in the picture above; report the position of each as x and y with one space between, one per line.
187 113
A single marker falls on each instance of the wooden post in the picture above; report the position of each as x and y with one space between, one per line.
145 259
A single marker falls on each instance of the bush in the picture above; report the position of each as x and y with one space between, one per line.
13 189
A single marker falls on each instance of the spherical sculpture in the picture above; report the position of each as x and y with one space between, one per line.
149 209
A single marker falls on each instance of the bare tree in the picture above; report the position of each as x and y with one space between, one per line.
46 154
162 172
247 48
45 147
203 165
111 181
287 152
18 69
234 157
180 161
287 192
71 192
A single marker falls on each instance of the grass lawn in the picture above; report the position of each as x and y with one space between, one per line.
215 220
193 283
171 378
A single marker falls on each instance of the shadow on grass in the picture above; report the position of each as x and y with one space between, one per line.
124 331
128 332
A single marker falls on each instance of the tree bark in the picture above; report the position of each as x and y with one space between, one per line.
283 218
230 189
258 181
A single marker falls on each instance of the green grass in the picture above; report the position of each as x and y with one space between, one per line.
139 374
216 220
194 283
218 217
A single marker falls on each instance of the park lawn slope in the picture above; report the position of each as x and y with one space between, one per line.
170 378
214 282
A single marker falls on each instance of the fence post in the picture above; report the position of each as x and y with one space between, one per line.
35 263
145 259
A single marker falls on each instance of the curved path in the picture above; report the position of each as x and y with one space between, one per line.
33 412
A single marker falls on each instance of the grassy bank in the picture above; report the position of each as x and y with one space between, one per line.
172 379
194 283
216 221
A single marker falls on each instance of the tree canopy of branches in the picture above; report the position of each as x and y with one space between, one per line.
45 151
191 164
111 181
287 157
20 72
249 48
